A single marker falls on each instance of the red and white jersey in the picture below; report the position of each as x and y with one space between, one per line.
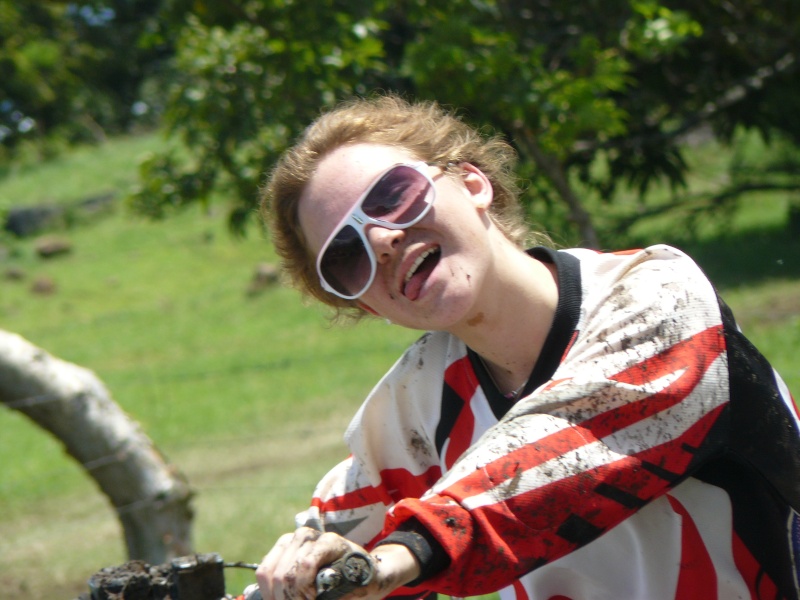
655 454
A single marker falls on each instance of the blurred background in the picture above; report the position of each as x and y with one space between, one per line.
134 135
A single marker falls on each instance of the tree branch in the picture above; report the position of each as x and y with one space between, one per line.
151 498
736 93
701 202
554 171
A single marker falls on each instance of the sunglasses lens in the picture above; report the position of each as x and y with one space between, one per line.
399 197
345 265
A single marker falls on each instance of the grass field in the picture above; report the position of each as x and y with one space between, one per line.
248 395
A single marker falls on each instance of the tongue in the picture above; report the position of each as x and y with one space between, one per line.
414 285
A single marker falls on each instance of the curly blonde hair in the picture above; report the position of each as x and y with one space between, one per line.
427 131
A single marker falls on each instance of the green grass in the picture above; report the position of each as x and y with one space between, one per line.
79 173
247 395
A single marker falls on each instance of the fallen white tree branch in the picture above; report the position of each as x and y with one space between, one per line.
151 498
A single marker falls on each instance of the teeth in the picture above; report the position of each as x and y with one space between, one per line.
420 259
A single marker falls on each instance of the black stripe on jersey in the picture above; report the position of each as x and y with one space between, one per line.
690 449
669 476
619 496
577 530
452 405
429 596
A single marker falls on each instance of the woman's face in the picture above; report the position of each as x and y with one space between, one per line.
429 275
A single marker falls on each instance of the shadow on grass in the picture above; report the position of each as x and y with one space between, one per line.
744 258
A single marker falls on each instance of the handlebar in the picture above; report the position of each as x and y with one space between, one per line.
351 571
201 577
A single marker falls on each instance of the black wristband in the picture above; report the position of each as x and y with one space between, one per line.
426 549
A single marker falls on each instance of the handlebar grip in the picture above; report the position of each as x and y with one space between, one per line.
351 571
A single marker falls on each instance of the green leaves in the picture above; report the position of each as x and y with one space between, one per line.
242 90
571 84
73 70
655 31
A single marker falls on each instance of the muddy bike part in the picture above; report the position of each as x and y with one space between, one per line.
201 577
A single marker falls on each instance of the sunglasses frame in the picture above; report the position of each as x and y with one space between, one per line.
361 220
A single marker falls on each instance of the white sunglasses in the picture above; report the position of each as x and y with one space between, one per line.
398 198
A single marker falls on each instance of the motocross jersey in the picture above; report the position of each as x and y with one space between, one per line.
654 453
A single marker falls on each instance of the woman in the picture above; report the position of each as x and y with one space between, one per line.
573 425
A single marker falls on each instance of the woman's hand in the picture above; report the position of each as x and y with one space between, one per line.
290 569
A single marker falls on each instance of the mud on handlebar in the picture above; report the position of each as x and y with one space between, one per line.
202 577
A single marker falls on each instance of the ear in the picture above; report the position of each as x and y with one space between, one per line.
478 185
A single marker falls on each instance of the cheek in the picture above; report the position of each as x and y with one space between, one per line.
378 296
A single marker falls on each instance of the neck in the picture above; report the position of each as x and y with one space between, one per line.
509 325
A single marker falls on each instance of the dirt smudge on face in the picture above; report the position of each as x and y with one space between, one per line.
476 320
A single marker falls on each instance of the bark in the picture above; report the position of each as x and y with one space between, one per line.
555 172
151 498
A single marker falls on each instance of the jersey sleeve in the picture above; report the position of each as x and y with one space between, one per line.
393 454
636 404
345 502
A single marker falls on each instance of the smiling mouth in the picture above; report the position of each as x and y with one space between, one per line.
419 271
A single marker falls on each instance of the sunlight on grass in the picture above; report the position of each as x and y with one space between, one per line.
79 173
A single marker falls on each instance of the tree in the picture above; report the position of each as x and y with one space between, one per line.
601 93
74 71
572 85
150 497
248 77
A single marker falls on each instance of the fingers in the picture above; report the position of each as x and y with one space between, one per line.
289 571
269 582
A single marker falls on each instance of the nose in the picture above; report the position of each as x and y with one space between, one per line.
384 241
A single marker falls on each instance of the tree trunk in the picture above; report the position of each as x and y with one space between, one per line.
151 498
554 171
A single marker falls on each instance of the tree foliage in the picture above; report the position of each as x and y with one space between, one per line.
74 70
572 84
598 92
